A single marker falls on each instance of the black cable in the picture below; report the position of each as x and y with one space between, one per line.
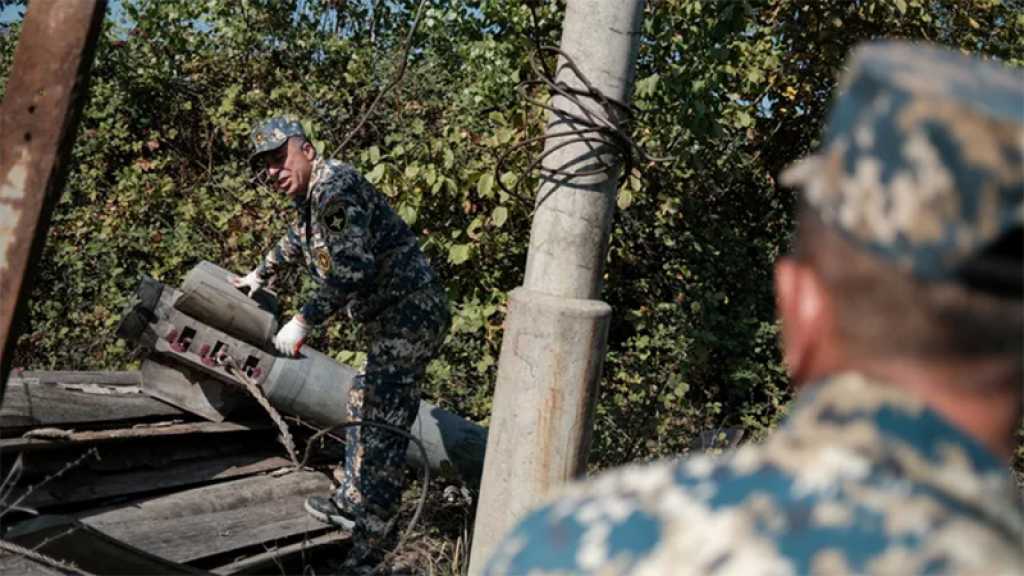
392 428
609 130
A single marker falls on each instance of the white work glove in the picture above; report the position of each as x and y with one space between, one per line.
252 281
289 338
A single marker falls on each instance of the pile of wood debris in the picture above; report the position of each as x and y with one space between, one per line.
105 479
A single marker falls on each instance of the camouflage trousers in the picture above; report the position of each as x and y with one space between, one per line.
404 339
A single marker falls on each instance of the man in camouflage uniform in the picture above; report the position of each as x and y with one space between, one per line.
368 267
902 319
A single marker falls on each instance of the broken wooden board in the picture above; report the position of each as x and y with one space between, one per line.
190 525
88 486
70 541
44 438
275 561
149 454
100 377
66 399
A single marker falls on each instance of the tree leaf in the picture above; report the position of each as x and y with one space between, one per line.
625 199
376 174
509 179
458 253
499 216
647 86
408 213
485 185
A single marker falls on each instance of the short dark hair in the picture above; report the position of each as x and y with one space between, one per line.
302 140
883 310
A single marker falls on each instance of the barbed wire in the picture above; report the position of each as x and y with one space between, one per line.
7 488
60 565
606 127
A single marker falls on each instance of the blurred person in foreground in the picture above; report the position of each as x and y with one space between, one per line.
902 323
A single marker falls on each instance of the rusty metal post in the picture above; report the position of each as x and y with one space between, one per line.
38 117
552 352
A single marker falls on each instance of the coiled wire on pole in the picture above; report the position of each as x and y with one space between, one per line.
606 129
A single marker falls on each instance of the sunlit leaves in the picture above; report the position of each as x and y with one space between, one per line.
646 86
375 175
459 253
485 185
499 216
731 91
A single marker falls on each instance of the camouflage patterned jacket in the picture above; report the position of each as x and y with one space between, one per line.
361 254
860 479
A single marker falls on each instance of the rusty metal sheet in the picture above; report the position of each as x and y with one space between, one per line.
44 95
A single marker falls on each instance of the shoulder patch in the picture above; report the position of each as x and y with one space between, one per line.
333 218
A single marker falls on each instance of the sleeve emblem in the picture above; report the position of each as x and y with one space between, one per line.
333 218
323 259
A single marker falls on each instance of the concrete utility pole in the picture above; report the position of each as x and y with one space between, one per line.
556 328
45 92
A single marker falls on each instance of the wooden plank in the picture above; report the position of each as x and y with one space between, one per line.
268 562
101 377
86 486
192 538
59 438
31 401
45 90
70 541
155 453
215 498
190 525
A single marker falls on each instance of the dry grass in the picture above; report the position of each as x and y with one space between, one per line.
439 544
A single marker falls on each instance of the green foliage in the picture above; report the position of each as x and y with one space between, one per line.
733 90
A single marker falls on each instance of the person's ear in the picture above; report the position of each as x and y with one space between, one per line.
808 324
309 150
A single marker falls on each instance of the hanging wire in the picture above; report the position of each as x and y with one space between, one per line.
392 85
289 444
424 479
605 128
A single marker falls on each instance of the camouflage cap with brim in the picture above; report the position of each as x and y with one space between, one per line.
923 158
271 134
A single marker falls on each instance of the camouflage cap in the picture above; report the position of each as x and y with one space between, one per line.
272 133
922 162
